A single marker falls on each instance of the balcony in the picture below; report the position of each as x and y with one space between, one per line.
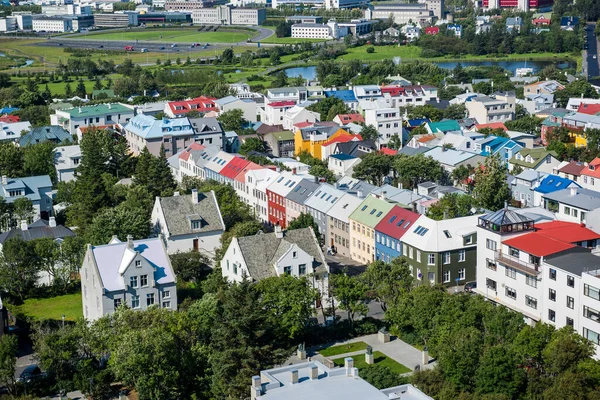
514 262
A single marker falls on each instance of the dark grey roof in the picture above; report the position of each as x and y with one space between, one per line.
260 251
411 151
178 210
505 217
302 190
356 148
318 129
575 260
206 126
37 230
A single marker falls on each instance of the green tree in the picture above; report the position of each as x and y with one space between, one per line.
388 281
190 267
11 160
455 111
329 108
491 189
80 89
8 361
227 56
125 86
459 359
68 91
38 159
120 221
369 132
48 253
451 206
498 372
418 169
381 376
162 178
374 168
321 171
253 144
351 293
305 220
281 79
395 142
23 209
232 120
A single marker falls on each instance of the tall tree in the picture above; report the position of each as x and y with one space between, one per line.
351 293
305 220
418 169
232 120
369 132
388 281
121 221
374 167
163 183
8 361
491 189
19 267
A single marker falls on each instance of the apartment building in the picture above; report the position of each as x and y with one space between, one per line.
190 5
97 115
145 131
402 96
362 232
51 24
572 204
390 230
312 31
295 200
273 113
387 121
486 109
320 202
214 166
227 15
257 182
402 13
338 229
276 194
202 104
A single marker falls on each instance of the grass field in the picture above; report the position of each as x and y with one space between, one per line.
289 40
343 349
173 35
382 52
379 358
53 308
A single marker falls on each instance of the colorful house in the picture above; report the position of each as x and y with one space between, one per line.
389 232
311 139
432 30
363 221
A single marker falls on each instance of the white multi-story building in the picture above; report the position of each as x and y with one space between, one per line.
387 121
8 24
257 182
227 15
402 13
52 24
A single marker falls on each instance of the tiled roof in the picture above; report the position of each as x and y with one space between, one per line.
177 209
397 222
592 169
573 168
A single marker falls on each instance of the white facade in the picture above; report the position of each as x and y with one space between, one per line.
273 113
298 114
312 31
387 121
49 24
257 182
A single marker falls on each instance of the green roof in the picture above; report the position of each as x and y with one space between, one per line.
548 122
283 135
107 92
99 109
444 126
60 106
371 211
538 155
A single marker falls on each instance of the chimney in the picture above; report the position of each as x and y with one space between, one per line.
294 376
23 225
573 191
195 196
316 179
336 185
130 242
256 388
293 171
314 373
52 222
383 195
278 231
109 106
348 364
360 194
4 180
175 193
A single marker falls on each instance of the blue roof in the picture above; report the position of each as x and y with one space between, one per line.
40 134
417 122
344 95
8 110
30 185
149 127
566 21
496 144
342 157
552 183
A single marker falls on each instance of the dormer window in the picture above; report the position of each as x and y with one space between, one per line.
13 193
138 263
592 167
196 221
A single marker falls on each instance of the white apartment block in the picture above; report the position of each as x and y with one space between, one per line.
487 110
226 15
52 24
312 31
402 13
387 121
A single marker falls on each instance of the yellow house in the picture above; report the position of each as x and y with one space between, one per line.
310 139
579 138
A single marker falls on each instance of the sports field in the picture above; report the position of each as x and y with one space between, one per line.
173 35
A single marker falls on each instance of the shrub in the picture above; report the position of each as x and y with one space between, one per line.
371 49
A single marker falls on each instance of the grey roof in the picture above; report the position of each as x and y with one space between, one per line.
37 230
302 191
583 198
356 148
262 250
529 175
505 217
353 186
40 134
412 151
178 210
206 125
324 198
575 260
31 186
320 129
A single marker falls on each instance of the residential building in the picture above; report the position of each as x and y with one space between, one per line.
66 161
411 32
294 94
387 121
264 255
281 143
202 104
355 148
145 131
568 23
257 182
486 109
590 175
208 131
189 223
343 119
273 112
310 139
571 170
248 106
445 126
214 166
432 30
402 13
572 204
505 148
362 233
276 194
54 134
449 159
338 229
389 232
294 200
534 103
543 87
320 202
330 146
239 182
192 160
514 24
227 15
299 114
456 28
137 274
38 189
96 115
347 96
342 164
538 159
313 380
11 131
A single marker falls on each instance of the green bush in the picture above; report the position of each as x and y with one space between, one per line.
371 49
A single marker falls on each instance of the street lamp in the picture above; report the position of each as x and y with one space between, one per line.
63 321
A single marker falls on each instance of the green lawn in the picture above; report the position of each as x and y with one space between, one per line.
379 358
289 40
173 35
343 349
53 308
382 52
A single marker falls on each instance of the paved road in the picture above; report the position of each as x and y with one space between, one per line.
592 56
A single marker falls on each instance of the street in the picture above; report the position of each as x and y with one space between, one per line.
591 66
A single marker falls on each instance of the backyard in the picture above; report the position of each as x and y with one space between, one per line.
52 308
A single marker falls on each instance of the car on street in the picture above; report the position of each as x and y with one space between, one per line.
162 47
31 373
101 46
174 45
594 57
469 286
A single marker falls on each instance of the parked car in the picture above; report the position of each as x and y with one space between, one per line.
469 286
31 373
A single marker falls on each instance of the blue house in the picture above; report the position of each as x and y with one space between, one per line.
492 145
549 184
389 232
347 96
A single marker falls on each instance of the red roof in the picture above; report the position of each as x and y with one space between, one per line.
201 104
304 124
349 118
573 168
84 129
233 167
492 125
394 224
592 169
9 119
552 237
241 177
388 151
591 109
541 21
185 154
342 138
432 30
288 103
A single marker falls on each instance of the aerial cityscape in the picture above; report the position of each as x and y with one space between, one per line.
300 199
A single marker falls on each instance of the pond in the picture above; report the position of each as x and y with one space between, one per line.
310 72
26 64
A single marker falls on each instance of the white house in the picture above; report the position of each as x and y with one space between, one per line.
97 115
342 164
248 106
297 114
257 182
189 223
387 121
136 273
66 161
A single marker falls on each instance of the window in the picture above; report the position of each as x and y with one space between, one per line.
167 294
511 273
302 269
431 259
570 302
295 254
491 264
461 274
591 291
569 322
490 284
490 244
287 270
431 277
133 282
143 280
135 301
513 252
138 263
531 302
468 239
446 276
418 256
447 257
531 280
117 302
196 225
552 294
570 281
511 293
410 253
552 273
166 304
590 313
150 299
567 210
447 234
461 256
551 315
